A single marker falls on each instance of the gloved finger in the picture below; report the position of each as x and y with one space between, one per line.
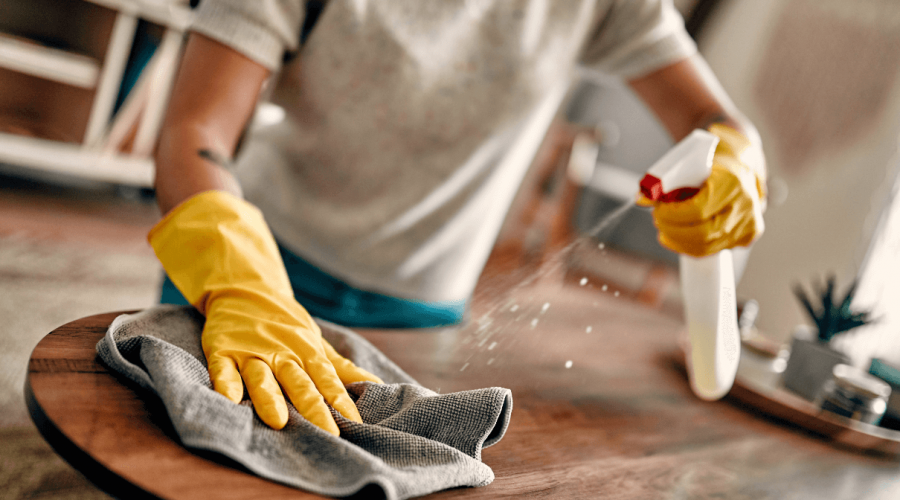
226 378
694 210
697 240
346 370
716 196
306 397
731 142
747 231
692 248
642 201
322 373
679 213
733 227
268 401
740 224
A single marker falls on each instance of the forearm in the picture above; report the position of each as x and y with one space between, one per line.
212 101
687 95
190 161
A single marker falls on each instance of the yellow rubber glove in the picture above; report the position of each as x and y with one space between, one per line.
218 251
727 210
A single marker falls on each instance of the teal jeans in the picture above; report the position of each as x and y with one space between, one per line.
329 298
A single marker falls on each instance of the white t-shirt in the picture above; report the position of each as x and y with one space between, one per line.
409 124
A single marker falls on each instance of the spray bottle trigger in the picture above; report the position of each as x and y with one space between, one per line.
681 172
651 188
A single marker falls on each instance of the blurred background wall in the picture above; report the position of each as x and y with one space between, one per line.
819 79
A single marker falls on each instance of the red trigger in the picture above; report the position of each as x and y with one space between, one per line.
651 187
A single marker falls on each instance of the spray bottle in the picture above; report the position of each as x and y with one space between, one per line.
707 283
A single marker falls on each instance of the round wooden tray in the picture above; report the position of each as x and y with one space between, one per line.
764 392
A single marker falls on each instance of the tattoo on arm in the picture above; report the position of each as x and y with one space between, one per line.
722 118
214 157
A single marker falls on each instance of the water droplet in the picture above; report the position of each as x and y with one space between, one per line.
569 364
583 281
514 308
601 246
534 322
616 294
589 329
604 288
545 307
491 361
492 346
464 367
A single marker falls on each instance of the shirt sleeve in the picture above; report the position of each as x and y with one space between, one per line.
262 30
635 37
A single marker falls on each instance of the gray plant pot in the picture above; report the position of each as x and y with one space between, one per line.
810 366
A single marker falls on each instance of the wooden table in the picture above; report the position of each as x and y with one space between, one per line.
601 410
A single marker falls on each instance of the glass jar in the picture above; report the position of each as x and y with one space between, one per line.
855 394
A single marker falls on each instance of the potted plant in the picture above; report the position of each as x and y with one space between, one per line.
812 357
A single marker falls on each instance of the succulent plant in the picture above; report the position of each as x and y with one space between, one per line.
832 318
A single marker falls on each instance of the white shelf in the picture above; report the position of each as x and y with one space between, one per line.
45 62
97 155
174 14
72 159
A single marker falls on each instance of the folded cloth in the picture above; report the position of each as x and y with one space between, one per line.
413 441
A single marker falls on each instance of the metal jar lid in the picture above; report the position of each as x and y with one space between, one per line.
860 382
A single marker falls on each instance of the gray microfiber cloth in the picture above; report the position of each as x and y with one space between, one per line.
413 441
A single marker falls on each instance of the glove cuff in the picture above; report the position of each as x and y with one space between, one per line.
731 142
736 145
215 240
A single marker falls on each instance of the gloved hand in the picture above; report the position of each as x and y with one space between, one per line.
218 251
726 211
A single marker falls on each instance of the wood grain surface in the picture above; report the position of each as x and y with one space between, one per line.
601 410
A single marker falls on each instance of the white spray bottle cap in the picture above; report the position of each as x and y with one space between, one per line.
685 166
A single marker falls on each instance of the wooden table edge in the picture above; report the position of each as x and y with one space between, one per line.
97 473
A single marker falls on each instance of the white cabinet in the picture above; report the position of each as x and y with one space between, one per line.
61 68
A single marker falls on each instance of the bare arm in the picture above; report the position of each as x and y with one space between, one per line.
686 96
213 99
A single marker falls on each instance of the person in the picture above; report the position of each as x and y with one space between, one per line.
408 126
